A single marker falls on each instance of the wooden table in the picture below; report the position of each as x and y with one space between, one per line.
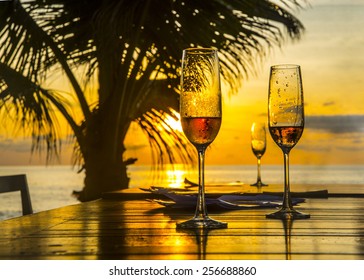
129 227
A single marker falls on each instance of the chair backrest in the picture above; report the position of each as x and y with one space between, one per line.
12 183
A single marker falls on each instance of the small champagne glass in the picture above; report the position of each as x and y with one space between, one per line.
286 123
259 144
200 111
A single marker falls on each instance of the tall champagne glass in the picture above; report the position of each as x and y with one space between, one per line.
286 123
259 144
200 110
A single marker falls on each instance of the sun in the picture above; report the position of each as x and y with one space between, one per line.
174 122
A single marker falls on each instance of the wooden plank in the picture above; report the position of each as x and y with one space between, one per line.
227 247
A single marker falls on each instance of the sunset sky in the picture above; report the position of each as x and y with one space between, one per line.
331 54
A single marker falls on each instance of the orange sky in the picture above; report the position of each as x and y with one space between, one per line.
331 56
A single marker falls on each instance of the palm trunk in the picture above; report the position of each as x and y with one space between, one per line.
103 157
104 165
103 175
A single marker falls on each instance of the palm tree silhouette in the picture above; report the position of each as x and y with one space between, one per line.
132 49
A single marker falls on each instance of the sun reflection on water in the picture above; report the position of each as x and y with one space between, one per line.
175 178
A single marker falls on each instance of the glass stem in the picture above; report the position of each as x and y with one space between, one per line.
287 203
201 212
259 178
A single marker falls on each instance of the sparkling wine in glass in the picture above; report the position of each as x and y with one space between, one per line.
259 144
286 123
200 111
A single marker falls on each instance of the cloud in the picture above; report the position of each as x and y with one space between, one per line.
18 145
336 124
23 145
136 147
329 103
337 2
313 147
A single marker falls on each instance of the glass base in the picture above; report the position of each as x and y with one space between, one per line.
202 223
287 214
259 184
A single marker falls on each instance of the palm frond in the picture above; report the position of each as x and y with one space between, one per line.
30 47
167 143
241 30
32 109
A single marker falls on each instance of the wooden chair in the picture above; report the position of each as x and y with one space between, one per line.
12 183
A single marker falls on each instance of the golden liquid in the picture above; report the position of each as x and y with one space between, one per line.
258 147
201 130
286 136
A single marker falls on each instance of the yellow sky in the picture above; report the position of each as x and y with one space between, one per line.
331 56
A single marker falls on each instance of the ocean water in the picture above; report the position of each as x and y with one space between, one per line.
51 187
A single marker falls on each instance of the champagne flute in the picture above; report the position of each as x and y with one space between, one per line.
259 144
200 111
286 123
